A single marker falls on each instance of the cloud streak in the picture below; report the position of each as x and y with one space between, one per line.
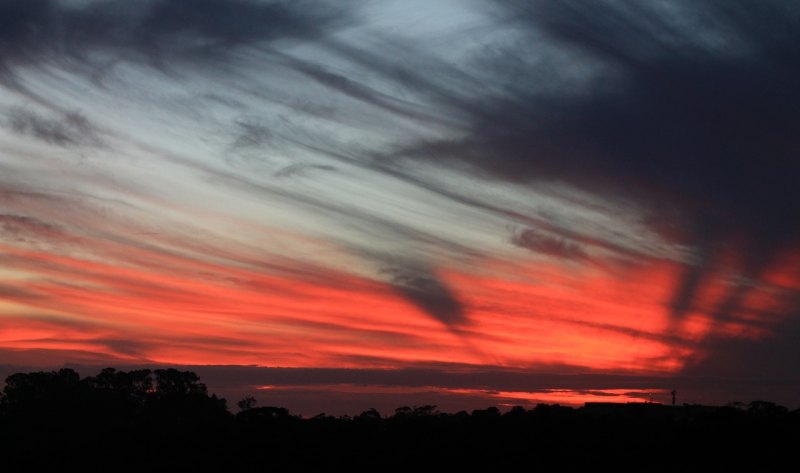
548 245
156 31
71 129
424 289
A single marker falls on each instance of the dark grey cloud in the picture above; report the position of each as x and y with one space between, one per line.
692 387
251 134
14 293
689 108
16 360
712 127
20 227
67 130
598 393
125 347
359 91
301 169
420 286
156 31
666 338
307 390
777 356
538 242
444 375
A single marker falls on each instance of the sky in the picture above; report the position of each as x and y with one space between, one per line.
342 205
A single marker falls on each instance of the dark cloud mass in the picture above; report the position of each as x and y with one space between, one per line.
33 32
22 228
689 108
539 243
424 289
715 127
70 129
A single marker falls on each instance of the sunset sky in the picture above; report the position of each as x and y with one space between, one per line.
340 205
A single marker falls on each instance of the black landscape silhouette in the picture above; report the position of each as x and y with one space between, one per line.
165 420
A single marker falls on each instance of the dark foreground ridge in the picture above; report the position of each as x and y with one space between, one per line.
165 420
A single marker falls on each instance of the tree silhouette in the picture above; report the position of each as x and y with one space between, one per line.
43 393
369 415
171 383
246 403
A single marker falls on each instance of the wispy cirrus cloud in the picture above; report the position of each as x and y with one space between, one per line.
70 129
550 245
158 32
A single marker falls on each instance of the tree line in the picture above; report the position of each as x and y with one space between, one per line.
166 419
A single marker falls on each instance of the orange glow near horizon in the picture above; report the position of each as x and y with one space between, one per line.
564 397
201 312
